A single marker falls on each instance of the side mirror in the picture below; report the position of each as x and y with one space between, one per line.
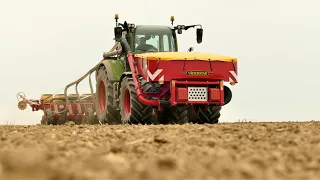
118 33
199 35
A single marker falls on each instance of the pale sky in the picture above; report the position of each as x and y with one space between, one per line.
44 45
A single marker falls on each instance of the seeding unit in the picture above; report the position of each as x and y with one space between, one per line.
144 79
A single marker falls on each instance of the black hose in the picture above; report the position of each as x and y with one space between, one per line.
125 45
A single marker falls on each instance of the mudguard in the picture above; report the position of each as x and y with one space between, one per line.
115 68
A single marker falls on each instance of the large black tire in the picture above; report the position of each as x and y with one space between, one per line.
175 115
210 115
178 115
132 111
163 116
105 111
193 111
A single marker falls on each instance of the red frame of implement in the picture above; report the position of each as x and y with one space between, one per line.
167 70
215 95
75 111
214 82
174 77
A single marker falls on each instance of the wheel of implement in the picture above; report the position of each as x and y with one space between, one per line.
44 120
77 120
131 110
178 114
62 118
22 105
106 112
60 99
84 120
91 117
50 117
209 115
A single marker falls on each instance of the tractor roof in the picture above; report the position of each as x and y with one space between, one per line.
153 29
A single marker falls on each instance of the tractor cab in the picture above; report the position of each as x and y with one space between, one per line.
154 38
151 38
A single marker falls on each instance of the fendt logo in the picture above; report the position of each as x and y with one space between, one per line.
198 73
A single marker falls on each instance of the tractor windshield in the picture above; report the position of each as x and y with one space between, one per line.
154 39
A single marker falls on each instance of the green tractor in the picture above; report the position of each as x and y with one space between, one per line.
130 67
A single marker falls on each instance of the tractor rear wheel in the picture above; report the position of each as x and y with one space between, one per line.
210 115
131 109
106 112
178 115
193 111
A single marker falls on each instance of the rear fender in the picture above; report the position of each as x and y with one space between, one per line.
115 69
227 95
125 74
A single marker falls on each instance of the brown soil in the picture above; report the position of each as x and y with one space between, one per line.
220 151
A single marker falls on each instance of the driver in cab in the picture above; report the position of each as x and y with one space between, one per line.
144 47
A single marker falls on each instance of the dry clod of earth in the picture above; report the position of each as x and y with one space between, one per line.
220 151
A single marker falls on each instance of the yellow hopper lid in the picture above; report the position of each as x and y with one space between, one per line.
169 56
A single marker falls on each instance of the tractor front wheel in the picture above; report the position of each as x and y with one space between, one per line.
132 111
106 112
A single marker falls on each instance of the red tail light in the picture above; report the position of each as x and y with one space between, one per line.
182 94
214 94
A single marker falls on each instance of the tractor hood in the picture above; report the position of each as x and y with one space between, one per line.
170 56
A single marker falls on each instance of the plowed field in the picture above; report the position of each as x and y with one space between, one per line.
221 151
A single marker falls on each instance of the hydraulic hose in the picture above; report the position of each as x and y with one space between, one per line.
140 96
116 50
